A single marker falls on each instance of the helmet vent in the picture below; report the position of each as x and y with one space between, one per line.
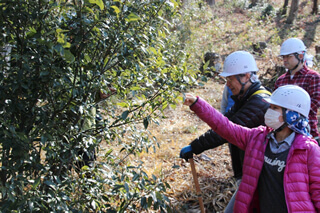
286 93
233 62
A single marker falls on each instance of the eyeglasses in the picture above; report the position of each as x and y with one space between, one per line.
228 78
287 56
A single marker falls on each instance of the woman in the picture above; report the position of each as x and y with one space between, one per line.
281 169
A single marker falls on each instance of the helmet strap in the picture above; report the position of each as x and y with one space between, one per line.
299 60
284 119
242 85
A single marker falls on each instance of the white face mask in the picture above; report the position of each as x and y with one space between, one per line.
271 119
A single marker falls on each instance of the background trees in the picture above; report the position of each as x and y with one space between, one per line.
58 56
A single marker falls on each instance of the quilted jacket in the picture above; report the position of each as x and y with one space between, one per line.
247 111
301 175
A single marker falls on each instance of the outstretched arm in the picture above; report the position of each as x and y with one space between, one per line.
219 123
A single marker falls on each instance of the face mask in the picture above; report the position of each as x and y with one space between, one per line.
271 119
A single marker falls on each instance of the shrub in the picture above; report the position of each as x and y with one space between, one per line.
58 58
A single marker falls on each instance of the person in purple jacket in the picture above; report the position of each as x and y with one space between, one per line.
281 169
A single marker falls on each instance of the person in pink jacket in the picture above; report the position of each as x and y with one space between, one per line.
281 169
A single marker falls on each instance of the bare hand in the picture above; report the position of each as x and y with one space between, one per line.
189 99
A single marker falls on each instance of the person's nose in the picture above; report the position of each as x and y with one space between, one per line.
228 82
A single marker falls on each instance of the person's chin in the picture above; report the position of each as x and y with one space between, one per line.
234 92
286 66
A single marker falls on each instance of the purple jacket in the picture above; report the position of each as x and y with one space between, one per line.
302 172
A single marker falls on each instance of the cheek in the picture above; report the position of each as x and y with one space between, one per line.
228 83
293 60
281 118
237 88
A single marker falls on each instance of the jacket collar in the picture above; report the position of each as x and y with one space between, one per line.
299 141
303 71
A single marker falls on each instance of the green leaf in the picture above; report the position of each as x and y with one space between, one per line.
50 183
135 88
159 196
144 202
87 9
68 56
126 186
172 3
98 2
36 183
66 45
152 49
150 200
122 104
124 115
61 31
175 166
44 73
132 17
146 122
154 177
116 9
87 57
31 31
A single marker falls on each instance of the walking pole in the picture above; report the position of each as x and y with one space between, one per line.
195 178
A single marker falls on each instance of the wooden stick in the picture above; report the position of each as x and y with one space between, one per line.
196 182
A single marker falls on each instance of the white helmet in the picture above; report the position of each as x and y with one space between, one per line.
291 97
239 62
292 45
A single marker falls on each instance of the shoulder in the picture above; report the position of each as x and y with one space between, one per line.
251 111
314 74
259 94
305 142
310 72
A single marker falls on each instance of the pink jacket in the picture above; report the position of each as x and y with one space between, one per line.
302 172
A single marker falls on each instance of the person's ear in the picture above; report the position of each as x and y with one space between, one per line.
281 118
248 75
300 56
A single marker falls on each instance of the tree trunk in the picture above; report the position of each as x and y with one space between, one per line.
317 47
254 2
293 11
210 2
285 6
315 7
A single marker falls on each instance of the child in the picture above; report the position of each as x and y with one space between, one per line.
281 169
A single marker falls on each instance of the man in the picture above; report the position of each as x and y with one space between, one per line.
293 53
248 110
